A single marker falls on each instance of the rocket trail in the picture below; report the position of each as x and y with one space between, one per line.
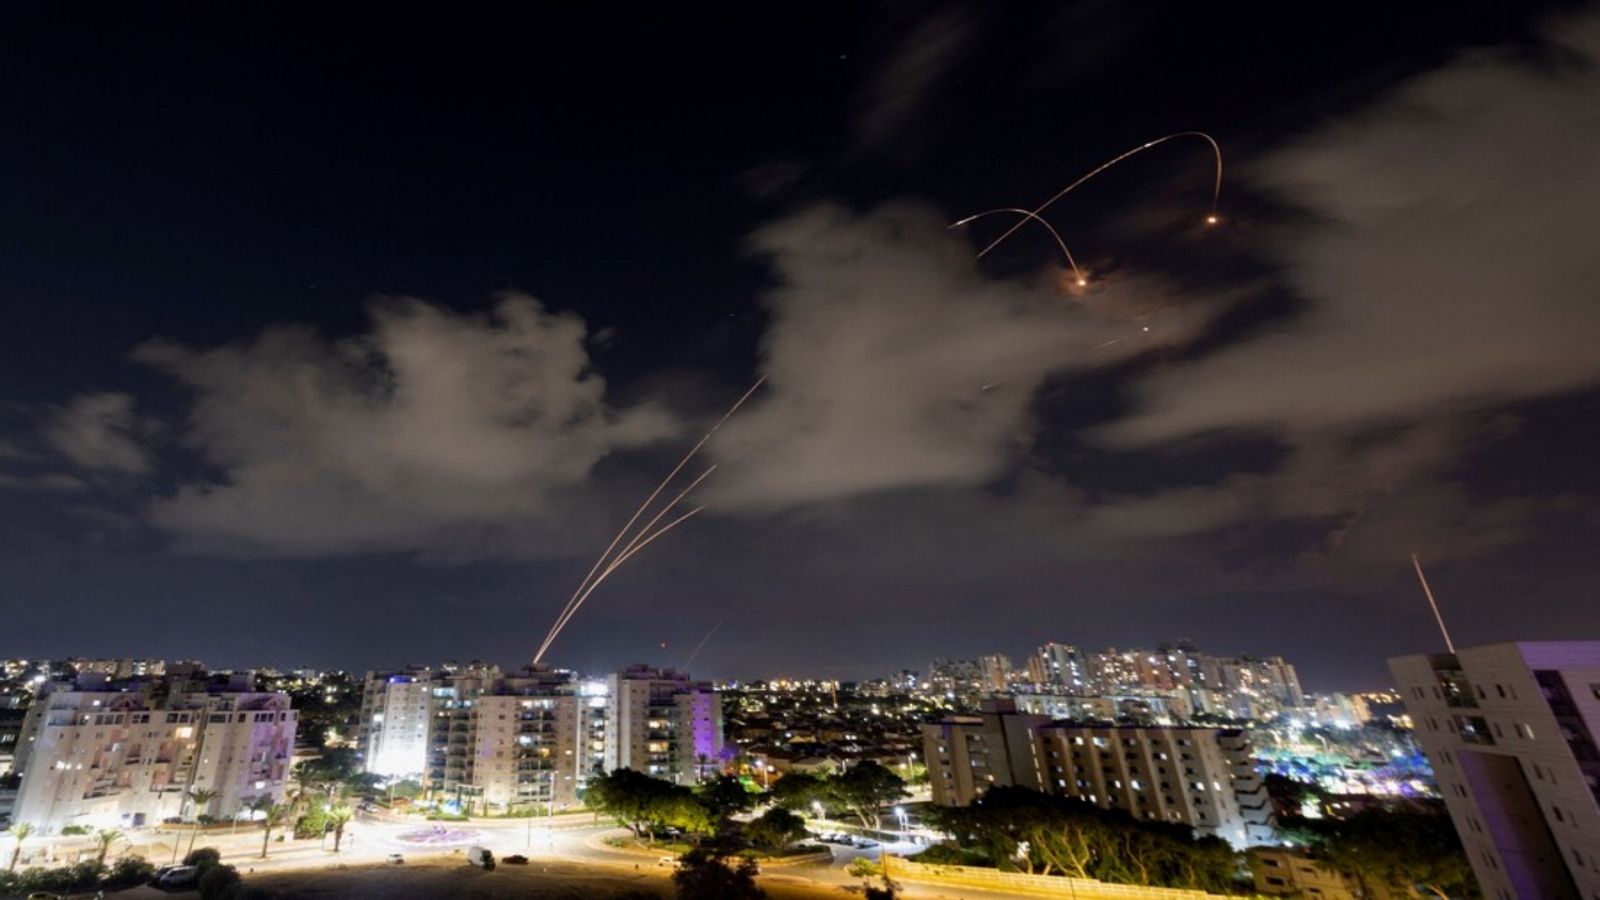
702 645
605 561
1216 188
1077 273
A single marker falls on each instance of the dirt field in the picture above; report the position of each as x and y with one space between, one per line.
428 879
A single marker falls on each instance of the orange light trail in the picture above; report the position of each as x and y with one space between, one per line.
606 564
1216 188
1076 272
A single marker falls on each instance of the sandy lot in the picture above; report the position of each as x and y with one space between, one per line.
452 878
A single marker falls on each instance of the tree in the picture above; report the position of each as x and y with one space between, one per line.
776 830
797 791
1396 849
632 798
129 871
865 789
705 875
274 815
339 817
725 795
204 858
19 832
104 839
202 798
1044 834
220 882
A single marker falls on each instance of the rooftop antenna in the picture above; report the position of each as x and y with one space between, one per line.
1434 604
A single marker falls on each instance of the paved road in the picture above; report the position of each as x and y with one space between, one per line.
570 838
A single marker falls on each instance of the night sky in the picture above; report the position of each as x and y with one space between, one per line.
347 338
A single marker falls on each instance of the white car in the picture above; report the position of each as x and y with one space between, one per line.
178 876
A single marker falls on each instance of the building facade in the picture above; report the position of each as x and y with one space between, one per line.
533 738
1201 777
106 754
1513 733
396 712
663 724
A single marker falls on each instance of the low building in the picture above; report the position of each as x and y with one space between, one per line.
1288 872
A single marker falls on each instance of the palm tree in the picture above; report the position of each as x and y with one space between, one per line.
20 831
202 798
276 814
104 839
340 816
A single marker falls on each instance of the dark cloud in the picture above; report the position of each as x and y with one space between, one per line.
904 84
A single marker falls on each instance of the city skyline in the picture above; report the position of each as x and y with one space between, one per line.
352 346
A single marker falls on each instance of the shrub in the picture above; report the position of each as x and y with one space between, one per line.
203 858
74 830
129 871
219 882
81 877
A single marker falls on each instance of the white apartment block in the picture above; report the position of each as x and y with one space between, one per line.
1201 777
535 737
529 739
109 754
663 724
1513 733
396 712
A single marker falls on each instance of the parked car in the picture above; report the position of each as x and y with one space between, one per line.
43 895
480 856
668 861
179 876
515 859
395 859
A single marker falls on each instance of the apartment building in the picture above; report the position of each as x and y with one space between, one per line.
107 753
1202 777
396 712
661 723
1513 733
507 742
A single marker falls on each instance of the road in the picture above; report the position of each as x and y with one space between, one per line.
572 838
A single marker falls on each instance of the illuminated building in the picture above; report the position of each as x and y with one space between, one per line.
396 711
509 742
105 753
663 724
1058 667
1513 732
995 672
1201 777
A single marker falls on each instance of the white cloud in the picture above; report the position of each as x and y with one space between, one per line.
436 423
1450 259
893 362
100 431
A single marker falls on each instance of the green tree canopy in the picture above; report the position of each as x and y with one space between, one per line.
1039 833
776 830
865 789
796 791
706 875
725 795
1397 849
